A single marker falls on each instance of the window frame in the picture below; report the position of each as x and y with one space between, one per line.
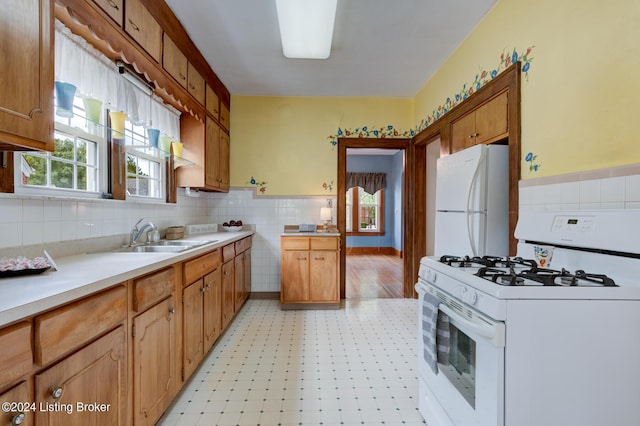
98 137
131 137
355 214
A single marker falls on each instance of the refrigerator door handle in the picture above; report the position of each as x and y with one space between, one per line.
470 210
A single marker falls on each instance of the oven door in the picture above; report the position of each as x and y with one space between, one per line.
470 389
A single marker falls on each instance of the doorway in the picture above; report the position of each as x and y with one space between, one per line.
370 269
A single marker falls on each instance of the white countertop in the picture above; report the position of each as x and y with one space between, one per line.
80 275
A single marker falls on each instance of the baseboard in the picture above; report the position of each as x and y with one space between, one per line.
391 251
270 295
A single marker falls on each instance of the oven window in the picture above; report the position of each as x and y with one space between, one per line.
461 370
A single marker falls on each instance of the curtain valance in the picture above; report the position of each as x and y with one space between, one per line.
370 182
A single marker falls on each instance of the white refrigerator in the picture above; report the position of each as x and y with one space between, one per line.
472 202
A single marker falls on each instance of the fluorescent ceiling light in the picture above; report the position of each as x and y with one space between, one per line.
306 27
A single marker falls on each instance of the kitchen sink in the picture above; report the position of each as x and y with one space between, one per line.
164 246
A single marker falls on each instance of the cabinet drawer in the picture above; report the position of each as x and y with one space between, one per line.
324 243
16 358
295 243
67 328
243 245
198 268
152 288
228 252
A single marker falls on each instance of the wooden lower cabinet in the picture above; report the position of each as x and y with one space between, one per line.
96 375
17 414
212 308
192 327
228 292
309 270
154 362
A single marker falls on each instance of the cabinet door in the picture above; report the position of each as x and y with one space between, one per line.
154 371
174 61
294 276
491 120
26 43
212 157
192 327
225 116
212 308
96 374
17 394
223 166
239 281
228 293
143 28
462 132
212 103
113 8
247 273
323 276
195 83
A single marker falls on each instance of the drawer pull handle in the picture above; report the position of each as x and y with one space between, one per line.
56 393
172 311
112 4
135 27
319 258
17 419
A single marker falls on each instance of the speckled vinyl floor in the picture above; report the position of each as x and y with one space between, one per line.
353 366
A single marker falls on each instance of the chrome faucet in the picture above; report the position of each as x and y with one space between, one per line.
136 232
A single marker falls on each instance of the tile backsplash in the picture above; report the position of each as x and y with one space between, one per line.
615 188
28 222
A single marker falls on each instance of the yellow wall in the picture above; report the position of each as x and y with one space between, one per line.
578 101
284 141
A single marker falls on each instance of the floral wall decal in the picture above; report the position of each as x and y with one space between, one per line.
370 132
328 186
507 58
531 158
261 185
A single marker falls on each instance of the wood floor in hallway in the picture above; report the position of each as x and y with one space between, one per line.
373 276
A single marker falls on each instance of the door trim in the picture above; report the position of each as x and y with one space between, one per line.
406 146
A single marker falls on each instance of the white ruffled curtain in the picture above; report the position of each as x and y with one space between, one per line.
95 76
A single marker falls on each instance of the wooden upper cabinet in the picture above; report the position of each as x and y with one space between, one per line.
26 92
174 61
492 120
486 124
223 165
195 83
224 116
212 157
212 103
144 29
113 8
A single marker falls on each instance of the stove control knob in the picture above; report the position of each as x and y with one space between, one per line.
470 297
460 292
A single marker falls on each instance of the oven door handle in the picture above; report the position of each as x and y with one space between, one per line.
490 332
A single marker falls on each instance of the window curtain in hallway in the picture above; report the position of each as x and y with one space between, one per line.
370 182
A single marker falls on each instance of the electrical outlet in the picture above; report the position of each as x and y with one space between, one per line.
329 202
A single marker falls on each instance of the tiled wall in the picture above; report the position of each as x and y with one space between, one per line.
34 221
269 214
615 188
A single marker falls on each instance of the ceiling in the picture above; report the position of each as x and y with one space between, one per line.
380 48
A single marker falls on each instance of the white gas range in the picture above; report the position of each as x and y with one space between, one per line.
530 346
